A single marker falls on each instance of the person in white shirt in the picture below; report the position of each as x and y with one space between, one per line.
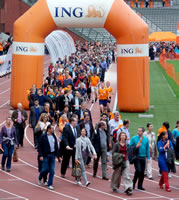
114 123
153 151
125 129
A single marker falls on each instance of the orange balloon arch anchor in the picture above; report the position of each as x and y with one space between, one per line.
130 31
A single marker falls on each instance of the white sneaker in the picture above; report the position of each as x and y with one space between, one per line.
45 184
50 187
169 175
79 183
39 182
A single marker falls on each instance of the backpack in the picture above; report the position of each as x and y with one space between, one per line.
115 133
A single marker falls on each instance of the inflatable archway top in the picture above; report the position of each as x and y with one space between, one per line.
130 31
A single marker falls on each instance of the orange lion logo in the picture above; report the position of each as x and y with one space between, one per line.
32 49
93 12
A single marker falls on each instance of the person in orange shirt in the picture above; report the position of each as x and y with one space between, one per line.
109 89
94 87
1 49
103 97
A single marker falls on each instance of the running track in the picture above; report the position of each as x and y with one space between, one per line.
21 183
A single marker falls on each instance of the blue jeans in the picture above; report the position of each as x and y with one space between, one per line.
48 166
8 151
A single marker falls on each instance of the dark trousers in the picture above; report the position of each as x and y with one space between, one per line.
40 168
35 138
20 134
48 166
102 75
139 165
66 159
7 155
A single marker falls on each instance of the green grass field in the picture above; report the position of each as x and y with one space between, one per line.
175 63
165 104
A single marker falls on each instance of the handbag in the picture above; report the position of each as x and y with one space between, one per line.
76 171
15 156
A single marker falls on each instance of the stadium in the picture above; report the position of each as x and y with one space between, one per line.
89 95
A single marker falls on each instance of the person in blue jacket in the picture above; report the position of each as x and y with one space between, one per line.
162 146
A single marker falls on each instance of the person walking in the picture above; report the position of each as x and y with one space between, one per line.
100 142
122 169
8 141
35 113
84 149
142 145
48 150
162 146
69 136
19 118
153 150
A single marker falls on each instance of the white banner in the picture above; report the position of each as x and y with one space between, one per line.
27 48
2 59
132 50
79 13
177 32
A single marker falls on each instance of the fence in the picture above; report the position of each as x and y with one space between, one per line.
169 68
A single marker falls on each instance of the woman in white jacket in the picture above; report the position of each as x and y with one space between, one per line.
84 148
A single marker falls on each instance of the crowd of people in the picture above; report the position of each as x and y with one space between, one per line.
62 101
166 48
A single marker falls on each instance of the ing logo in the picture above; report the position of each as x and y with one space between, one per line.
93 12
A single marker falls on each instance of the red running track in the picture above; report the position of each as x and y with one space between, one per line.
21 183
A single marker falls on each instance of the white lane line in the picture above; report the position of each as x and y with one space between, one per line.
4 103
5 81
171 174
87 172
30 183
89 188
4 91
115 103
99 191
143 198
17 196
149 179
2 123
170 88
151 193
91 106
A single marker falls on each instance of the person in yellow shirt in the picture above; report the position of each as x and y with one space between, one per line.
94 82
103 97
109 89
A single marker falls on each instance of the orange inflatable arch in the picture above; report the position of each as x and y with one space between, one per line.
130 31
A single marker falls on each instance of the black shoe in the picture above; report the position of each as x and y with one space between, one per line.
92 101
94 175
8 170
115 190
105 178
128 191
141 188
2 168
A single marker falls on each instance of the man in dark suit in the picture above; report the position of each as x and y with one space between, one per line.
84 109
97 71
69 136
19 117
100 141
76 104
35 113
48 150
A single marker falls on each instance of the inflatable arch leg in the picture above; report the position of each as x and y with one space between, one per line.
126 26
